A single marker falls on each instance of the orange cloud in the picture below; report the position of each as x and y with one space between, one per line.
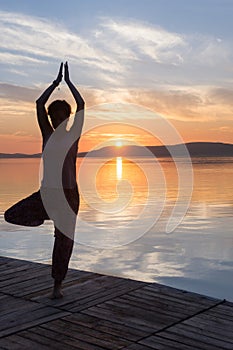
198 114
186 104
127 133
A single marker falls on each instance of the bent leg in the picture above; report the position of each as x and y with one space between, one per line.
27 212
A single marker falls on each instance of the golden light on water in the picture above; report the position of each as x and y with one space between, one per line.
119 168
19 178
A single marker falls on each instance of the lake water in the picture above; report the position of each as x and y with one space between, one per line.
196 256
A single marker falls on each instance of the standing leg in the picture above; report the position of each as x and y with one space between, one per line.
62 250
63 245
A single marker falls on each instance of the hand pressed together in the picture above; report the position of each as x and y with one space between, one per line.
59 76
67 76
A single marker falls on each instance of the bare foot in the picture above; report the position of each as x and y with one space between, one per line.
57 291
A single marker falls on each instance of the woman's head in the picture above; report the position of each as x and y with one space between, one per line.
59 111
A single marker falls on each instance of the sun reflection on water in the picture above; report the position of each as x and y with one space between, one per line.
119 168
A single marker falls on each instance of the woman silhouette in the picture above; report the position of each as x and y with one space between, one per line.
31 211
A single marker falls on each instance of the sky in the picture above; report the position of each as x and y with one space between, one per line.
166 58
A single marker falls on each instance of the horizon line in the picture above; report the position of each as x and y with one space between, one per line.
121 147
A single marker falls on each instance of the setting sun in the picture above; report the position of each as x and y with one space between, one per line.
118 143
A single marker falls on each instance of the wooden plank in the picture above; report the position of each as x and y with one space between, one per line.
102 296
26 316
28 271
119 330
192 338
164 297
16 342
147 316
159 343
223 311
228 303
105 312
10 304
59 340
86 334
8 344
5 261
91 292
212 324
181 294
9 272
78 290
138 347
21 278
169 308
117 316
12 264
183 297
42 292
38 282
52 341
225 337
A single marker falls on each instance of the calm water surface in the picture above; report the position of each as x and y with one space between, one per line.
197 256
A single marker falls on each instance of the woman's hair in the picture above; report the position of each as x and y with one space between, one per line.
59 105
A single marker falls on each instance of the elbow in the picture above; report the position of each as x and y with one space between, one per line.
81 105
39 102
39 105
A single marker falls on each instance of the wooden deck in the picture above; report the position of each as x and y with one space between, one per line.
105 312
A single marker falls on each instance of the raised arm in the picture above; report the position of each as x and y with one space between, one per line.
78 98
42 116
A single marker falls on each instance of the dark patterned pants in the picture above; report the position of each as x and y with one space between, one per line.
31 212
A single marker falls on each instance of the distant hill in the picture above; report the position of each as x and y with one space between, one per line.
19 155
209 149
196 149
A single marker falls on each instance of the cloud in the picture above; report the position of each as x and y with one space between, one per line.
116 52
12 96
20 93
30 37
118 60
135 39
223 129
188 104
155 58
13 59
38 39
182 103
210 50
35 35
223 96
